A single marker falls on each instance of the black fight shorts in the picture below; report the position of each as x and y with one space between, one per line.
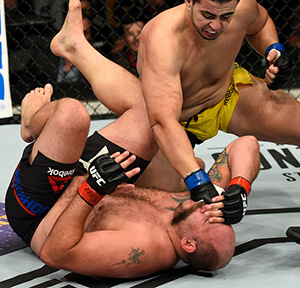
33 190
97 145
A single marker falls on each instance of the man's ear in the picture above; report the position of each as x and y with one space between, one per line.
188 245
189 4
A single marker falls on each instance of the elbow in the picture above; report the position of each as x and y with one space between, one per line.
250 144
162 122
155 121
155 126
50 257
158 127
253 143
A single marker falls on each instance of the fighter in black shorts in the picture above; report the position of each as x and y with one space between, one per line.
35 188
49 164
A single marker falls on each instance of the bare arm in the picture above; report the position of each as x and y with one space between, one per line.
104 253
262 32
229 164
162 90
239 161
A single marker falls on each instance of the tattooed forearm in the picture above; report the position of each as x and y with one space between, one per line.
215 172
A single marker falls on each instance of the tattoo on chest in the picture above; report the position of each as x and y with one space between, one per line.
134 257
178 198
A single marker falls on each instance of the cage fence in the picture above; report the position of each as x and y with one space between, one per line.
31 24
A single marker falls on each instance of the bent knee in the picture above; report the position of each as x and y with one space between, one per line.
73 112
250 142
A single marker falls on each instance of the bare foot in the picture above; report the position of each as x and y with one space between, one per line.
65 41
31 103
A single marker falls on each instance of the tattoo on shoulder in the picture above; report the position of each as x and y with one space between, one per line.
134 257
177 198
215 172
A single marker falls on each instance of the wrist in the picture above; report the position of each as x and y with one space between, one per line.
196 178
242 182
88 194
277 46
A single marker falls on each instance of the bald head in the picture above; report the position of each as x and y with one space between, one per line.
207 246
213 250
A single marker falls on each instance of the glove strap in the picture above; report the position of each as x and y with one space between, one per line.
88 194
242 182
196 178
277 46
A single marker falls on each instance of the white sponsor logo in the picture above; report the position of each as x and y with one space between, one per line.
54 172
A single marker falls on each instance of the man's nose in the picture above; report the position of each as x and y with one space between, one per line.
216 25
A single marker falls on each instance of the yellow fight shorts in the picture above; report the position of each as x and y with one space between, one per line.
208 122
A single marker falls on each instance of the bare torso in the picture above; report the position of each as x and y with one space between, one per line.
149 207
206 68
144 216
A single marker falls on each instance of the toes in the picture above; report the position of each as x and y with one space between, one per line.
37 90
48 89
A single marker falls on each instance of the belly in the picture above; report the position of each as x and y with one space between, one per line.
203 92
194 104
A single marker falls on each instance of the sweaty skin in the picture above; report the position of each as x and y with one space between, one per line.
199 64
185 60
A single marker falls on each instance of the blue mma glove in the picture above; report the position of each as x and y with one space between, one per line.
200 186
284 64
105 174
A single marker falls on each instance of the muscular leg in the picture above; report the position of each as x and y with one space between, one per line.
268 115
60 128
114 86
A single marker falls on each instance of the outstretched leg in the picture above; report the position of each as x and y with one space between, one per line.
114 86
268 115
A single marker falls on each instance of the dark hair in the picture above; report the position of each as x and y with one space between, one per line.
220 1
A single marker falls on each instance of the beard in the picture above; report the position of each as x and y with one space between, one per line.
184 213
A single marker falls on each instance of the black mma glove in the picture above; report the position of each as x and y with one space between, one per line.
200 186
235 202
284 64
105 174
